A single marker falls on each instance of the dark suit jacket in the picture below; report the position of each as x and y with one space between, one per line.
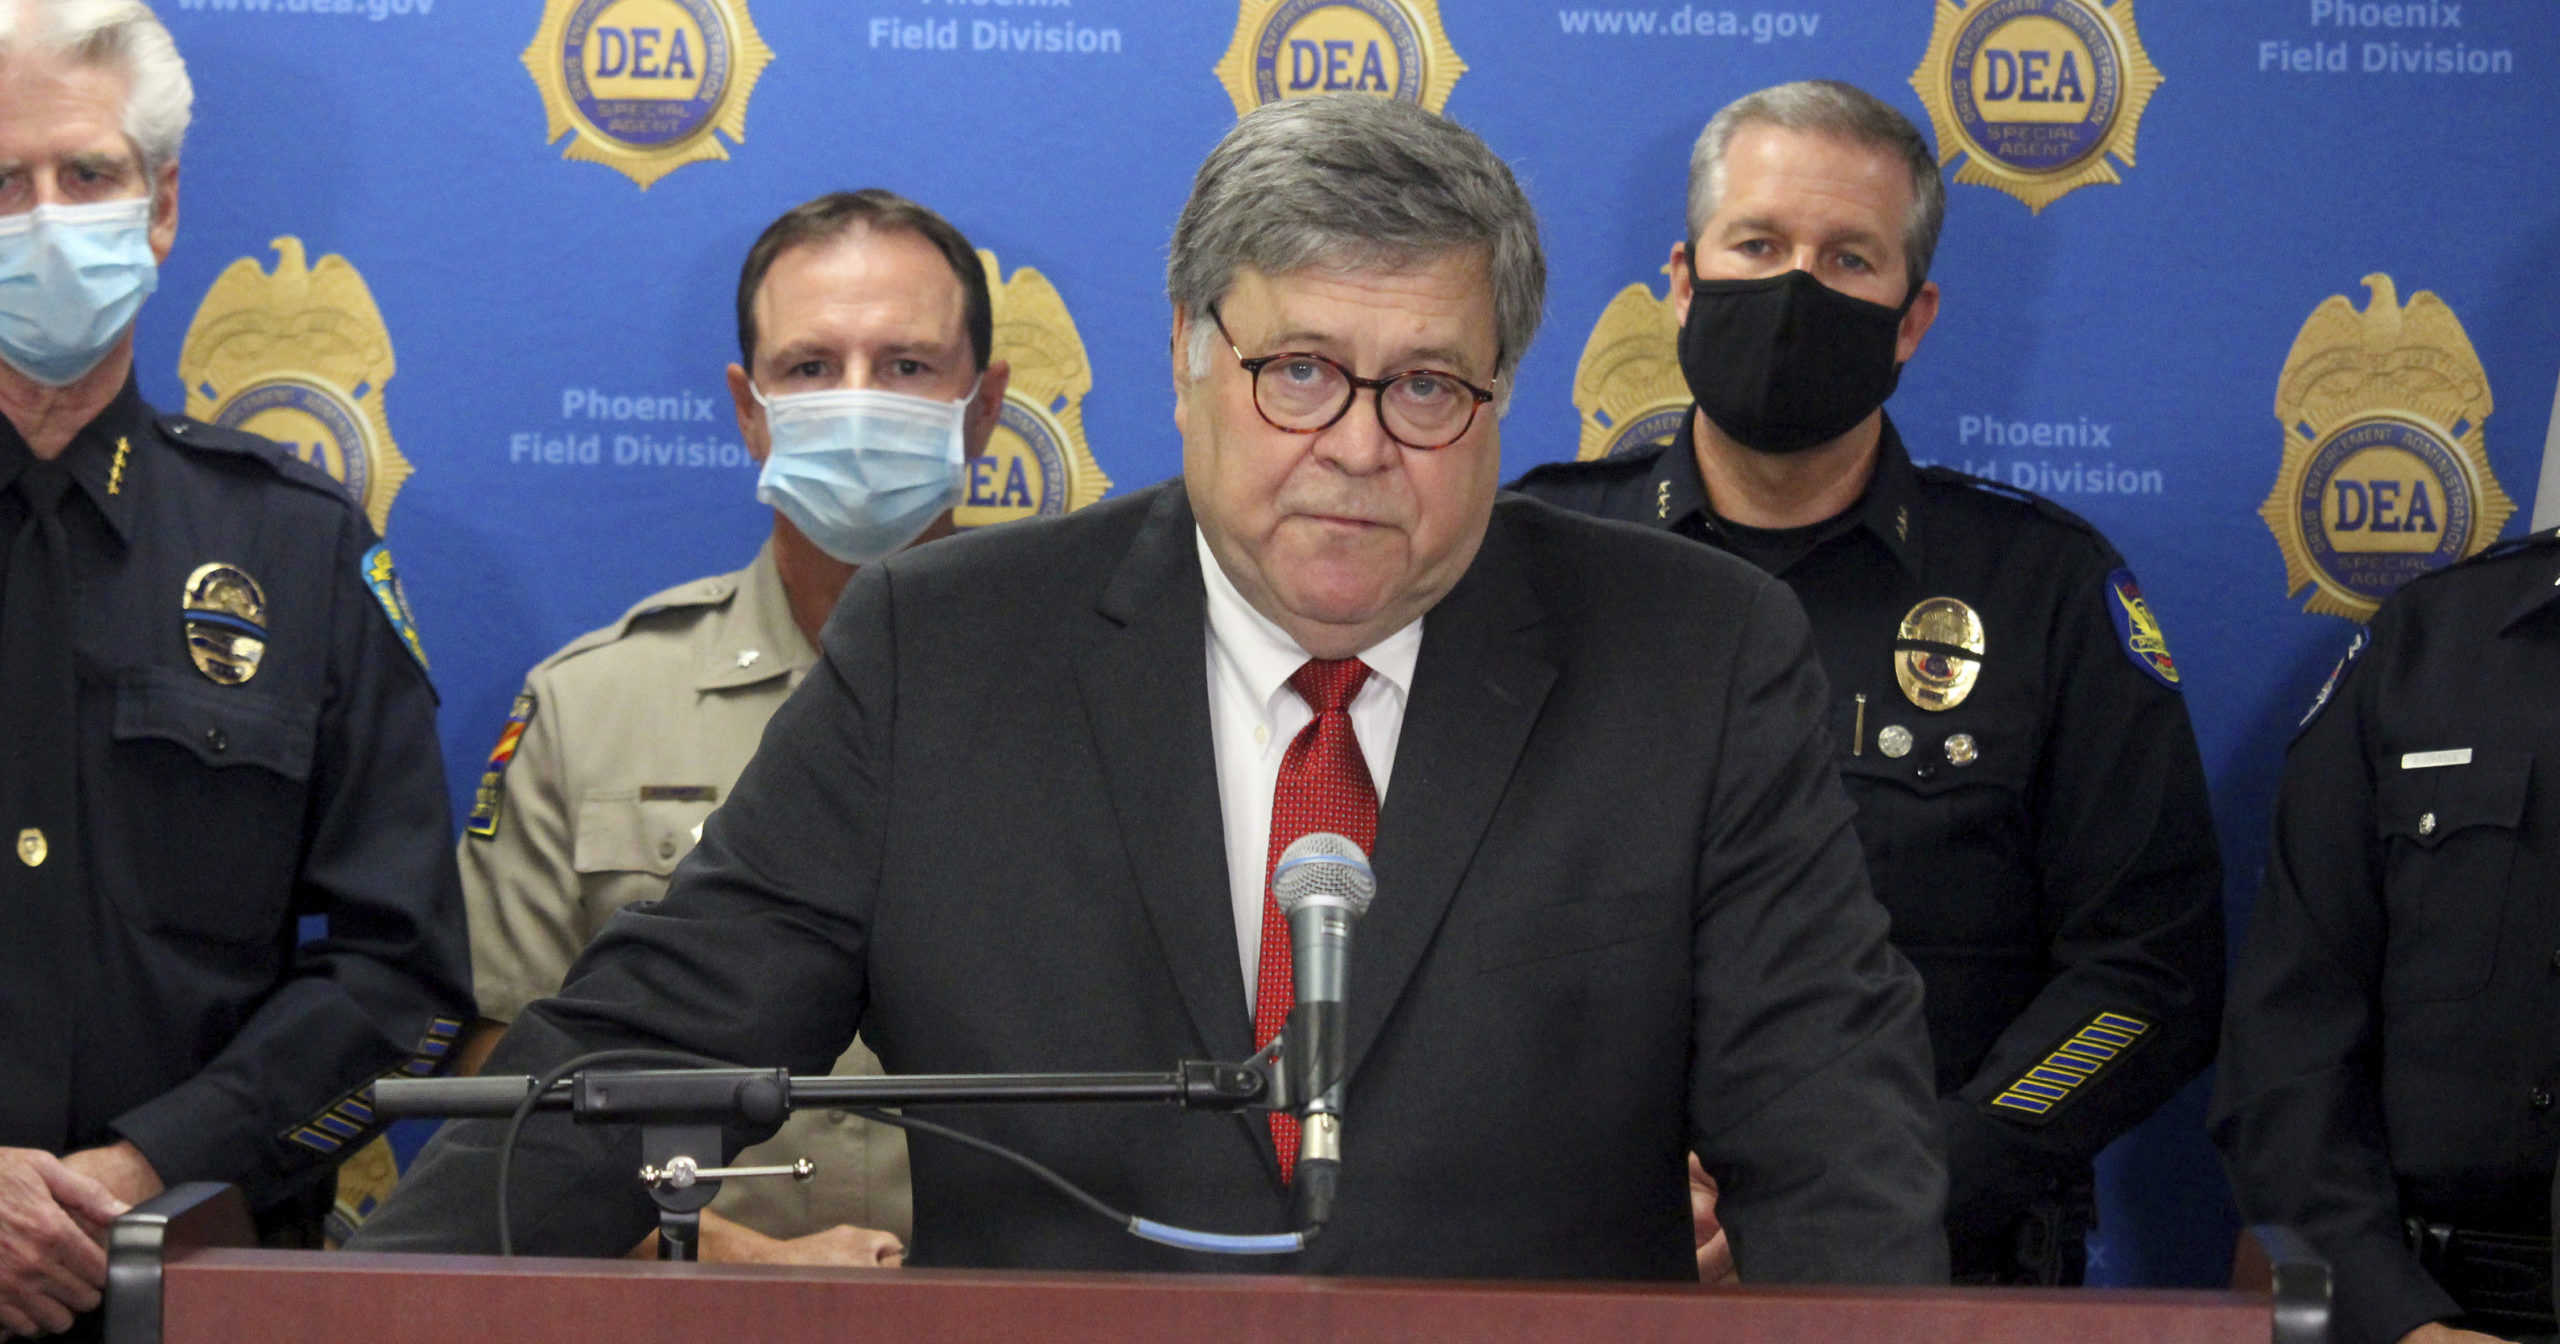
1621 915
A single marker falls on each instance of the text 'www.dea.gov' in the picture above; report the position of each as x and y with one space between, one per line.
1689 21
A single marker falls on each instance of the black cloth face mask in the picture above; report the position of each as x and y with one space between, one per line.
1785 363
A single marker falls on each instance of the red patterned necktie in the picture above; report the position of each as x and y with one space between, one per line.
1324 786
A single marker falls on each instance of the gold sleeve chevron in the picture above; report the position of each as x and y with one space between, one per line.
1296 48
2063 1075
1628 388
350 1118
2036 94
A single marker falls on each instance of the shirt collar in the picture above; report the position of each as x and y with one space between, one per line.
755 638
1889 509
1264 654
102 458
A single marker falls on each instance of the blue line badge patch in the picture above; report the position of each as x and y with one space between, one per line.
384 581
2139 630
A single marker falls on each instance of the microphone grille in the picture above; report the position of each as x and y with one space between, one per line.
1323 864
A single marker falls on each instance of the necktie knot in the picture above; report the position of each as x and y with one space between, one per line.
1328 684
42 484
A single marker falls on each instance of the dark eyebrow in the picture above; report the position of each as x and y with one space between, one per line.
1312 342
1762 224
102 164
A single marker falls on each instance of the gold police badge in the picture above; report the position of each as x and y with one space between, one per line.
1937 654
1293 48
2385 473
2036 93
226 615
1036 463
1628 387
645 83
300 356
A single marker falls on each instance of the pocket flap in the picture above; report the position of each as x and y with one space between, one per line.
629 834
222 725
2430 805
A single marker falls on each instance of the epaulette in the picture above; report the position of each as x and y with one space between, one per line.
711 592
1617 468
200 436
2043 506
2496 550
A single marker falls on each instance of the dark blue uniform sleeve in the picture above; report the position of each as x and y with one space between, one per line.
387 985
2297 1109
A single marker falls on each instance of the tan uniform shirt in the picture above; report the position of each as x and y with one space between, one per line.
631 735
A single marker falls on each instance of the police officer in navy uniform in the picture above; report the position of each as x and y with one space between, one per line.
2006 716
2393 1047
215 722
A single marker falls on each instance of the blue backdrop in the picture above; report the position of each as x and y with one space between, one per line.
2295 147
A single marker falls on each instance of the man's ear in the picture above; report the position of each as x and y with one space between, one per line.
1181 370
1916 322
978 423
1679 273
164 213
751 426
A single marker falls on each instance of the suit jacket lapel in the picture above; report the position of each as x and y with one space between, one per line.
1144 680
1477 689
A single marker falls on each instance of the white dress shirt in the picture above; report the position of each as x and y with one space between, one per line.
1253 716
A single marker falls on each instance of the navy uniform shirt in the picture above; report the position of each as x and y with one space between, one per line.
2394 1039
192 1020
2044 845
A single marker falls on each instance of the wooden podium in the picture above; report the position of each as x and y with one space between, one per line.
173 1280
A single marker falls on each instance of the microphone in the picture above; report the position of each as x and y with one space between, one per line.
1323 884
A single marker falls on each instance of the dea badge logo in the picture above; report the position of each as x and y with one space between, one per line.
2386 475
645 83
1628 387
1293 48
2036 93
300 356
1036 463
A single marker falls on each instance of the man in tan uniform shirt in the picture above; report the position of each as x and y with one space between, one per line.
625 740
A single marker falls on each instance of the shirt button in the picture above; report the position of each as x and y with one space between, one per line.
217 741
2541 1098
1262 735
667 848
1928 770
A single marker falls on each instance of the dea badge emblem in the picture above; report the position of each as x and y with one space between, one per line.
1036 463
1628 387
300 355
645 83
1294 48
2036 93
2385 473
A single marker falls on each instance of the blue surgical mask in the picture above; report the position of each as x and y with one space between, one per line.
862 473
71 279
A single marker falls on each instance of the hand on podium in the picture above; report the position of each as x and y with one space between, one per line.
53 1260
844 1246
1715 1254
2436 1332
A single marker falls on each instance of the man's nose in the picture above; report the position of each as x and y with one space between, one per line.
1358 443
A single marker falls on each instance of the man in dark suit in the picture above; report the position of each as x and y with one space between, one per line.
1021 816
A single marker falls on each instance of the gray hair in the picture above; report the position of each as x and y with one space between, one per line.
1360 181
122 35
1826 107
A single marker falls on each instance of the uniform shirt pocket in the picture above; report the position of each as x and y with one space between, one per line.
2449 834
209 790
630 834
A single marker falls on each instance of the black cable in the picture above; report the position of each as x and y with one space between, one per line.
543 1084
1069 1188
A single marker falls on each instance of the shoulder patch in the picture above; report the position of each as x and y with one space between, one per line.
2066 1072
491 794
2139 630
2337 674
378 575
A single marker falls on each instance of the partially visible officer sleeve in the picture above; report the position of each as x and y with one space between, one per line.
519 879
2296 1109
386 985
1811 1093
2131 915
